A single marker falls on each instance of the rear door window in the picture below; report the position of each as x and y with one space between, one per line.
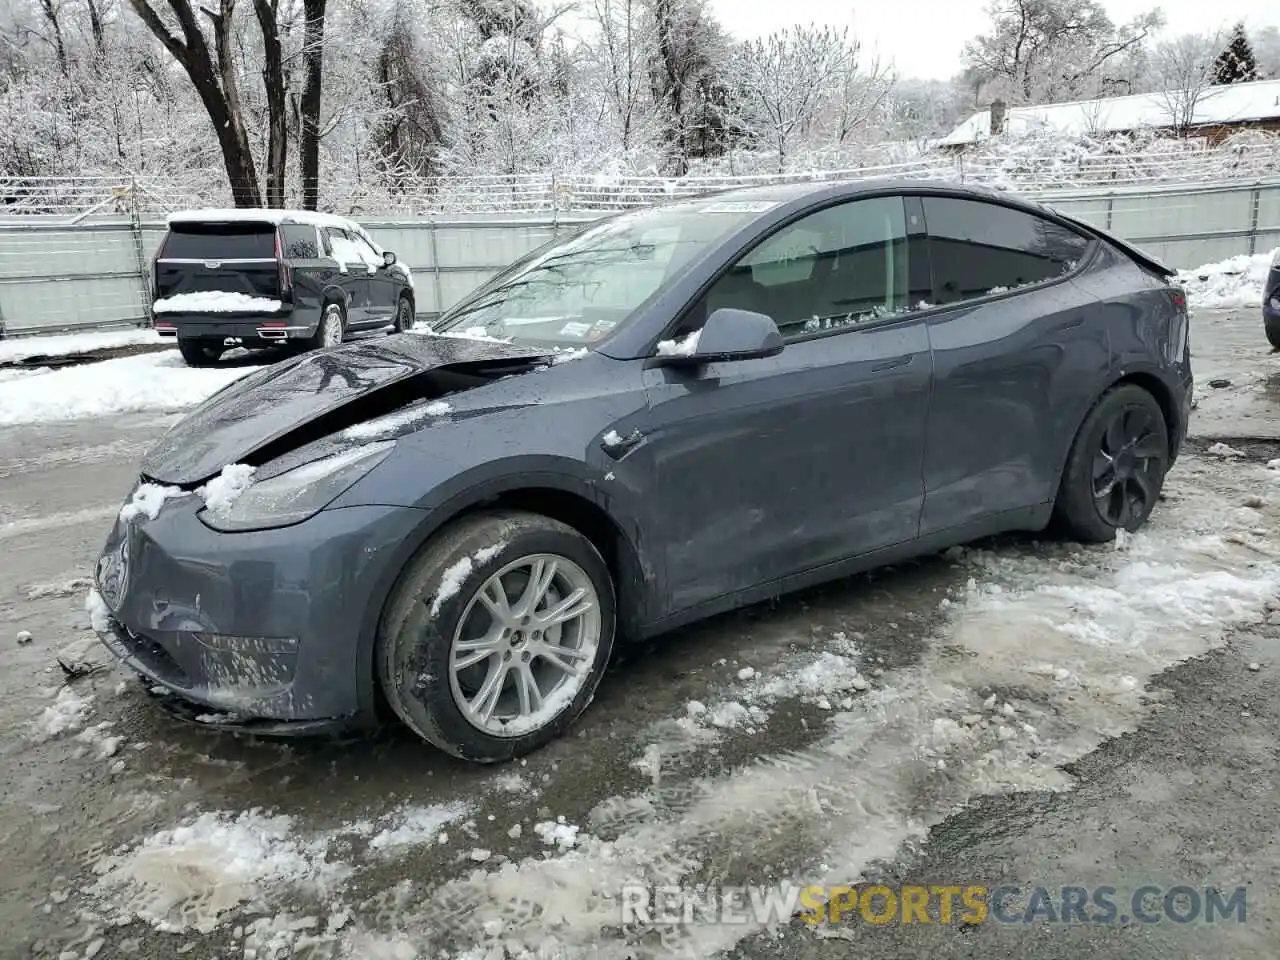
979 249
300 241
212 241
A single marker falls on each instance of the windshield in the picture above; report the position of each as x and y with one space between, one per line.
578 292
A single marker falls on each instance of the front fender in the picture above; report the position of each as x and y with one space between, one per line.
638 587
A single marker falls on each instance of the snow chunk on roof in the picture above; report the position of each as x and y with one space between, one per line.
261 215
272 216
216 301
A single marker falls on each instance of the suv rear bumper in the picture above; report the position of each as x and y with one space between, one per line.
243 326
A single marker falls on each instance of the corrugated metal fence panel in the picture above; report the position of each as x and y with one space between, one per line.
69 278
95 274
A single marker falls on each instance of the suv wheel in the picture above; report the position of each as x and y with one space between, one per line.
497 635
199 353
1116 466
332 328
1272 328
404 315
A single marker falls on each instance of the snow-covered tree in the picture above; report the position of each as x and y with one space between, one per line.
210 63
689 46
622 52
1184 72
1266 48
1040 51
1184 69
1236 64
788 79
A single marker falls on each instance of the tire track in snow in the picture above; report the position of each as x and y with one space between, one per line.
1067 637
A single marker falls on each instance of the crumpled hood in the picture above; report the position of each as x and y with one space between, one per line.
288 404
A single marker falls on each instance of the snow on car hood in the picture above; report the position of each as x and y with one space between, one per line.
288 404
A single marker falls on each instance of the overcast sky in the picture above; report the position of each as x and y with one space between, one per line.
924 37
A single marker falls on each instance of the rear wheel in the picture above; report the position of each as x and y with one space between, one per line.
331 330
199 353
404 315
497 635
1116 467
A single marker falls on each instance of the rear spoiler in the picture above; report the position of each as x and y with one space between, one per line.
1143 258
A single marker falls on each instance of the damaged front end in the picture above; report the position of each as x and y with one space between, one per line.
225 583
290 405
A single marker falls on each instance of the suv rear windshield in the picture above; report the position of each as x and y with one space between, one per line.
220 241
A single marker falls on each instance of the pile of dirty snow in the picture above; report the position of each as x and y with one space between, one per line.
1234 282
152 381
189 877
69 344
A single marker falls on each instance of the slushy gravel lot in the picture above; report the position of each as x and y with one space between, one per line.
1017 711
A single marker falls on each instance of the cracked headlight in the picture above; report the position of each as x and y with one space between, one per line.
296 494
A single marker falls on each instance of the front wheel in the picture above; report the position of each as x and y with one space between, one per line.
1116 467
497 635
199 353
1272 328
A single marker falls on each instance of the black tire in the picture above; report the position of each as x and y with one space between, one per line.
404 314
423 617
1272 328
1097 494
199 353
331 330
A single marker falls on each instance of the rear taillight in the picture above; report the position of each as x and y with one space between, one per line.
1179 298
285 276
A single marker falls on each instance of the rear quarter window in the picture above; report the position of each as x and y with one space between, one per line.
237 241
978 249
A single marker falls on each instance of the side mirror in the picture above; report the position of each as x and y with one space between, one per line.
388 258
729 334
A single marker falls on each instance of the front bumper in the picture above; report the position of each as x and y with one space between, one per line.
272 625
285 325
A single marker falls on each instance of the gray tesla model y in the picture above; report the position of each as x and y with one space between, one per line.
673 412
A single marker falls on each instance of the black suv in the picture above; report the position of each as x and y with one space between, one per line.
256 278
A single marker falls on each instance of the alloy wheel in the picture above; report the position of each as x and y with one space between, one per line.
1127 467
525 645
332 327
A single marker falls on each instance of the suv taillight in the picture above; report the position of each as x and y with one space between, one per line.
285 277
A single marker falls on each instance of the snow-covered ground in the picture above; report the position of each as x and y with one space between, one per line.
153 381
66 344
1043 651
1234 282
